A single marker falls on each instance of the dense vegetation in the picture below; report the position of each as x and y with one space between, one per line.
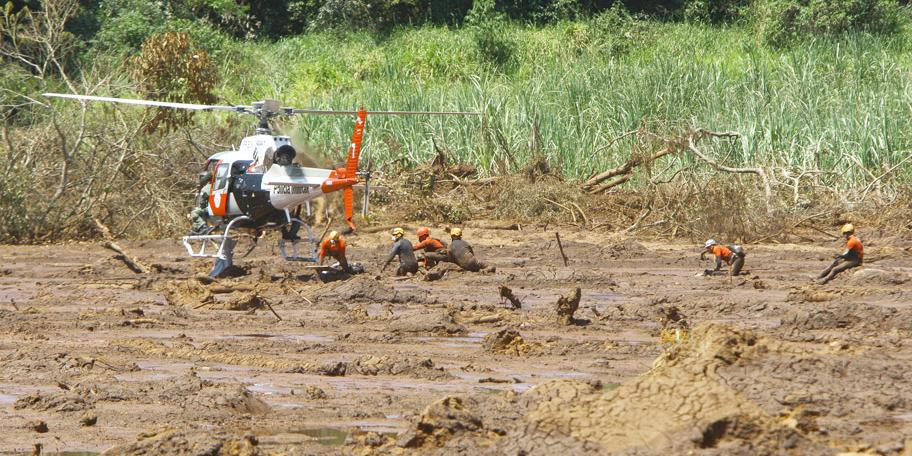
819 90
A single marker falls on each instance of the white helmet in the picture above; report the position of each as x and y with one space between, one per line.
709 243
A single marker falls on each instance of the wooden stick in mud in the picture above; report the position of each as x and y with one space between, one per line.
109 243
272 310
560 247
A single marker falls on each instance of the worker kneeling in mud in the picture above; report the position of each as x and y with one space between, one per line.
461 253
851 258
402 248
434 249
334 247
733 256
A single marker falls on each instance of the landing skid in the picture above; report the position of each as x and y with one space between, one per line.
221 247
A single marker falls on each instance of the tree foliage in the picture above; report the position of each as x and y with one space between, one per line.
171 68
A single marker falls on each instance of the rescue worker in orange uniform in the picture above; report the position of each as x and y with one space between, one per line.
433 247
334 247
851 258
733 257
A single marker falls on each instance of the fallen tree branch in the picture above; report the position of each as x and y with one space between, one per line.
132 263
719 167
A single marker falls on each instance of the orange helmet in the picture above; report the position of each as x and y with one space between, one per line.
424 231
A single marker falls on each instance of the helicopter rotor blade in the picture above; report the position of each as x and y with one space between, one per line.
160 104
332 112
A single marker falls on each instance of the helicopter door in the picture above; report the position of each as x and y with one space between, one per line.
218 199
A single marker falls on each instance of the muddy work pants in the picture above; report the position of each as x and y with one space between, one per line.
834 269
467 261
407 268
432 258
737 264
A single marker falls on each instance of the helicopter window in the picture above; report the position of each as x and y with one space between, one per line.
221 176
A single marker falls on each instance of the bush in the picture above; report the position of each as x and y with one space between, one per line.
489 31
783 22
718 11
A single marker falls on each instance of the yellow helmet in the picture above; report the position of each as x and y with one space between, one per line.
334 235
456 232
398 232
848 228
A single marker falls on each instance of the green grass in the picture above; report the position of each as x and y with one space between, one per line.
821 105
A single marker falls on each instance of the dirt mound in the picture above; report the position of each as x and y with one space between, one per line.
841 315
438 423
386 365
868 276
186 293
435 324
188 444
363 289
508 341
680 406
64 401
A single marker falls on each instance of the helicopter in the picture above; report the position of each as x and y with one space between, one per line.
258 187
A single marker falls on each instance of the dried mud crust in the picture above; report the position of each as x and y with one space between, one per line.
723 391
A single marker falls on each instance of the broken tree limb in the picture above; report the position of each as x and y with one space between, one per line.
560 247
132 263
691 146
626 168
610 185
572 213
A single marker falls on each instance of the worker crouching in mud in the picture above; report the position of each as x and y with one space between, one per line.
733 256
433 247
334 247
461 253
851 258
402 248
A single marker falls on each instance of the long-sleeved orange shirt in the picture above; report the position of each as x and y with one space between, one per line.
429 245
335 250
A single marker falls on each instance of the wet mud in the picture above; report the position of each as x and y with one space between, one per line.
623 351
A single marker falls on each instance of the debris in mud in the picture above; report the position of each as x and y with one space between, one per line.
439 422
247 301
88 419
171 441
673 325
313 392
38 426
506 294
508 341
440 323
567 306
624 249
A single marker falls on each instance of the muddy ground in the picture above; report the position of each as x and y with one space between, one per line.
654 360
